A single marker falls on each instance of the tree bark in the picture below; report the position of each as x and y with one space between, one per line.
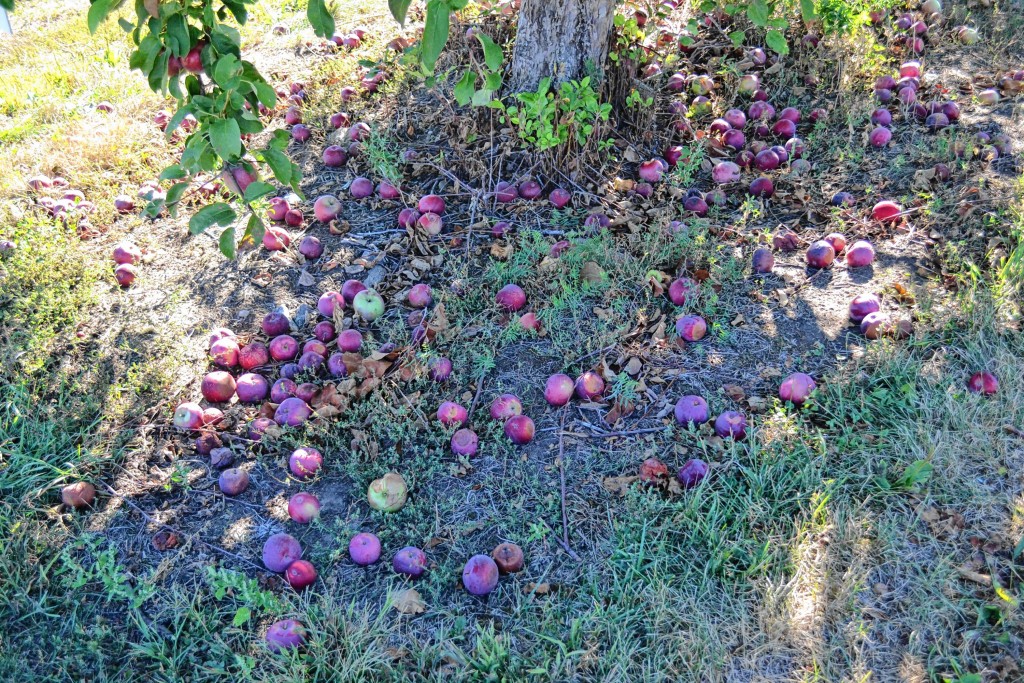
560 39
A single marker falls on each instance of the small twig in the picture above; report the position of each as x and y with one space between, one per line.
561 477
476 398
594 353
1010 429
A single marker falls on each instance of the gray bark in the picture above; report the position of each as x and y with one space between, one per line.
559 38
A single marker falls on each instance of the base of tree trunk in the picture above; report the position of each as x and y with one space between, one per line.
560 39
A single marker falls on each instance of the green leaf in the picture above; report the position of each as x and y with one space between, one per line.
98 11
257 189
321 18
226 139
435 33
173 172
175 121
227 247
757 12
399 9
465 88
279 163
482 97
178 39
492 53
126 25
266 94
737 38
254 230
777 41
492 81
807 10
174 194
214 214
226 68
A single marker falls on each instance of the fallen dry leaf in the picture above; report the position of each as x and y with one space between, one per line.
410 602
618 485
306 280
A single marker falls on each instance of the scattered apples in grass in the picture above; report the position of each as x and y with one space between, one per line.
505 192
188 416
218 386
886 212
451 413
410 561
880 137
259 427
465 442
983 383
420 296
871 325
692 473
519 429
731 424
327 302
691 410
691 328
480 575
797 388
511 297
350 341
860 254
431 203
78 495
862 305
430 223
508 557
253 355
275 323
350 289
286 634
282 389
324 331
303 507
126 252
505 406
589 386
251 388
364 549
279 551
300 574
292 412
368 305
559 198
233 481
764 260
559 389
326 208
206 442
653 470
311 247
304 463
837 240
212 416
335 156
440 369
820 254
682 290
387 494
125 274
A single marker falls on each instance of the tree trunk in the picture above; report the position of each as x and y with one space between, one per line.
562 39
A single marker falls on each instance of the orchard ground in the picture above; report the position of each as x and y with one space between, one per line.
876 534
